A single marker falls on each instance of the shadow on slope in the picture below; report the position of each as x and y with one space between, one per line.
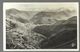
59 34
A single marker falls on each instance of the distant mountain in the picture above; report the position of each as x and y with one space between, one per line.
13 11
22 16
40 17
51 16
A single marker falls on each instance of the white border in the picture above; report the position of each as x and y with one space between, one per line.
4 28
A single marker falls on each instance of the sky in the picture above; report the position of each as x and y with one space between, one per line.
39 6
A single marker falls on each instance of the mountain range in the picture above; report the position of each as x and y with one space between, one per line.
59 33
41 29
40 17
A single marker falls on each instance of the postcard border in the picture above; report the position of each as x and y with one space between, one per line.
4 34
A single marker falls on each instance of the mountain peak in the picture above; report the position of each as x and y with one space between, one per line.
12 10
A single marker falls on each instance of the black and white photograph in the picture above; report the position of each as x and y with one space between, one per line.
36 26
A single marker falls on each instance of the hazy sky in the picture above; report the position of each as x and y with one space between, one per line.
40 6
